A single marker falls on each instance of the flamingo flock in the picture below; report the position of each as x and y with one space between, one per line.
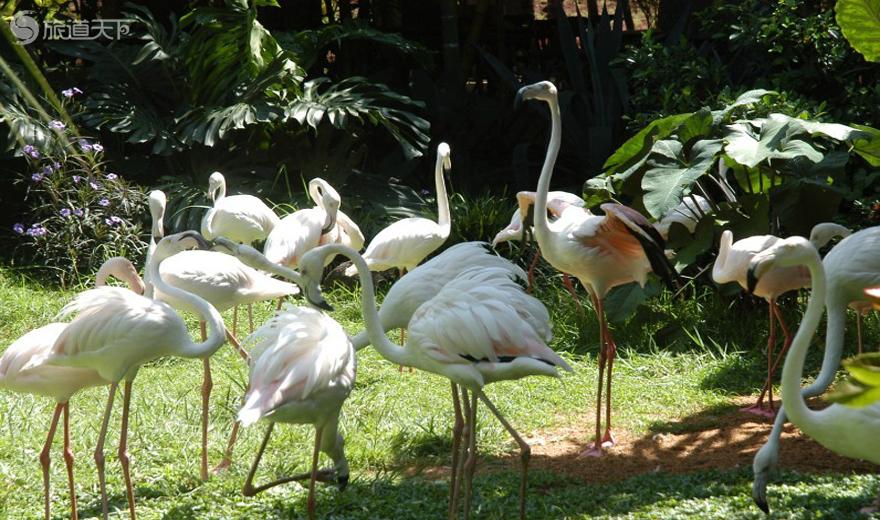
469 313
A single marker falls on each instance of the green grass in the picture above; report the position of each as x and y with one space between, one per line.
677 358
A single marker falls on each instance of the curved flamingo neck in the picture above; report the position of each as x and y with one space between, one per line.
792 370
220 191
541 225
444 218
206 311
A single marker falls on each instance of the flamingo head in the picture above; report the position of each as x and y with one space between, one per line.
215 181
311 269
825 232
513 231
122 269
157 212
786 253
443 156
542 90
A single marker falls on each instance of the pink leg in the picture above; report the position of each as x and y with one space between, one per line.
403 331
310 505
457 428
207 385
238 348
531 271
608 438
596 450
123 448
566 280
44 456
758 407
99 452
68 461
251 317
235 321
227 455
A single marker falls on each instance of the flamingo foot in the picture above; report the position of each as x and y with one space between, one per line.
760 410
221 467
608 440
595 451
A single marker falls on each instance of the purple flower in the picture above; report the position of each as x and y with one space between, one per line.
47 170
37 177
57 125
98 147
56 165
113 221
36 230
65 212
76 178
78 212
85 146
18 228
30 150
104 202
94 185
112 176
70 92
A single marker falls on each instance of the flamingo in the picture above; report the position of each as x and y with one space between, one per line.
24 368
602 251
243 218
732 265
850 267
302 371
306 228
405 243
115 332
848 431
481 327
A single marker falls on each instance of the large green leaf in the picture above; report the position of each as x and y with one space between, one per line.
634 152
752 142
671 174
746 98
623 300
860 22
862 388
868 146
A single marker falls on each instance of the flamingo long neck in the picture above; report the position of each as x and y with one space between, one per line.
795 406
542 227
206 312
443 216
372 322
157 212
220 191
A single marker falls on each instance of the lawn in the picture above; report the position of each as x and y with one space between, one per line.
683 449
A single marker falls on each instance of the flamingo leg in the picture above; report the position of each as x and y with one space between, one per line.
611 353
470 464
280 301
463 448
525 452
596 450
456 445
758 407
780 358
124 458
251 317
45 458
238 348
249 490
566 281
235 321
310 505
227 455
207 385
531 271
99 452
68 461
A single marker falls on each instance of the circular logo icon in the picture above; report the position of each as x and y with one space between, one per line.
26 28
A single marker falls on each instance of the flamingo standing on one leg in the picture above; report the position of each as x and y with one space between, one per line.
302 371
848 431
243 218
24 368
601 251
115 332
850 267
478 329
732 265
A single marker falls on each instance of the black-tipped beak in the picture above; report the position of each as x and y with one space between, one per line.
751 283
518 100
763 505
200 240
342 482
319 302
329 226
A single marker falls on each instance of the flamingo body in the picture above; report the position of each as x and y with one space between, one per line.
243 218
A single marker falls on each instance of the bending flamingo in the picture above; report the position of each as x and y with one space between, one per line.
732 264
243 218
850 267
115 332
478 329
25 368
405 243
602 251
848 431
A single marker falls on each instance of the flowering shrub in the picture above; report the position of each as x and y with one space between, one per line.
78 213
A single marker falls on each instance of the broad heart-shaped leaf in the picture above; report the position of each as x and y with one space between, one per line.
863 386
697 126
746 98
688 246
868 146
865 368
860 22
800 203
634 152
772 140
671 174
623 300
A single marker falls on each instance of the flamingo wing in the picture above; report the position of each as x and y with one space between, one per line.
294 236
243 218
405 243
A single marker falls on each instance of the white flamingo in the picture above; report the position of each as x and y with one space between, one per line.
848 431
243 218
302 370
25 368
305 229
602 251
850 267
732 264
478 329
116 331
405 243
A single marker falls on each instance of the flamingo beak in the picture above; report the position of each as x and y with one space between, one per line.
751 279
